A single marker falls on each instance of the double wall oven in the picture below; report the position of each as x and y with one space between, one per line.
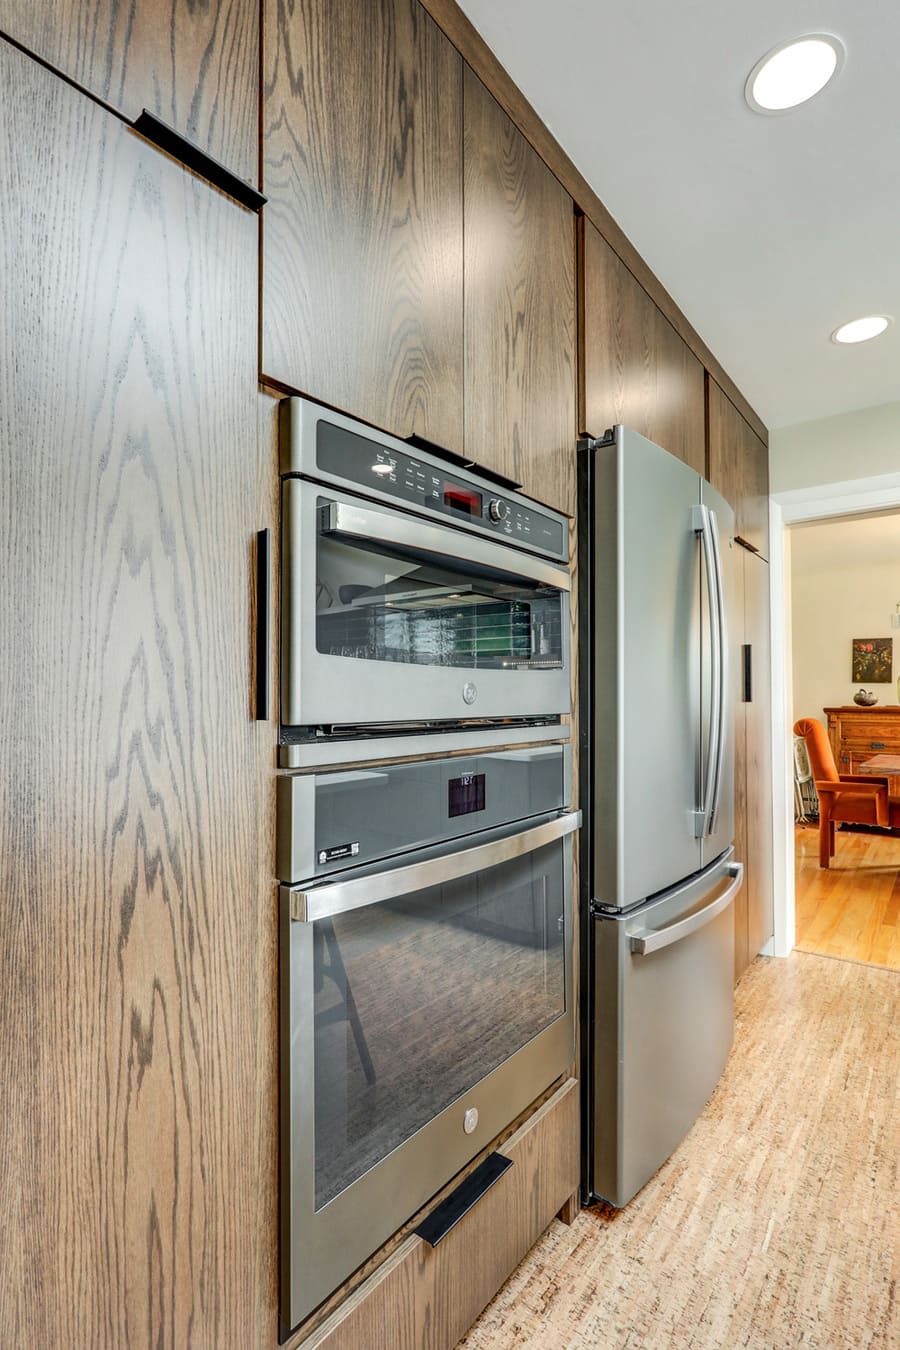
425 832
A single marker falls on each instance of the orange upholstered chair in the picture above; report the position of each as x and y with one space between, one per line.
859 799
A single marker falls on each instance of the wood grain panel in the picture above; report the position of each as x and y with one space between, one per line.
519 307
195 65
741 903
739 469
425 1298
362 236
637 370
485 64
137 1008
760 895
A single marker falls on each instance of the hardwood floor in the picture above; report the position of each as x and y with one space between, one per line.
850 910
773 1226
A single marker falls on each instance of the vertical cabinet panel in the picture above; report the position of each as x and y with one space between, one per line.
196 66
754 910
519 307
760 898
137 925
739 468
362 235
637 370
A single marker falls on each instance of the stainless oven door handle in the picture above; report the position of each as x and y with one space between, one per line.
391 527
337 897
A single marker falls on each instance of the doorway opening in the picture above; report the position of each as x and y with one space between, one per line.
837 566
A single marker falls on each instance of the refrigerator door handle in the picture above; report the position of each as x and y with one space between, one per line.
644 944
703 523
722 657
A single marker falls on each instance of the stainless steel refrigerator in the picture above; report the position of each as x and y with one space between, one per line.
658 873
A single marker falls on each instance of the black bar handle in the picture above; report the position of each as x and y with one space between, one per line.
263 634
198 161
747 650
458 1203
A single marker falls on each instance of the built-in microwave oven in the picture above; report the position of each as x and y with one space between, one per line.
416 595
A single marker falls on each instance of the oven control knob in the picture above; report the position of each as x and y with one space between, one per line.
498 509
470 1120
469 692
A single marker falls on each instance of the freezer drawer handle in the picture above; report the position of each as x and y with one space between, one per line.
323 902
645 943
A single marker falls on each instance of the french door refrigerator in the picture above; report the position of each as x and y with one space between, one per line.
658 873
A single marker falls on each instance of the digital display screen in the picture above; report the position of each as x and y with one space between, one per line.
466 794
462 499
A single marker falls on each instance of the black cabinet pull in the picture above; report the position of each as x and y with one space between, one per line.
197 160
747 650
263 633
458 1203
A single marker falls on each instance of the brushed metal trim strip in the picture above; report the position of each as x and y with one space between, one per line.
370 523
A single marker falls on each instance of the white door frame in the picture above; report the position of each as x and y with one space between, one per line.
789 508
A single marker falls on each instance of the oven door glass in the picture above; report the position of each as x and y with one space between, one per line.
390 588
421 996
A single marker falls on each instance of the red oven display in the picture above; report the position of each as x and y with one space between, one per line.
462 499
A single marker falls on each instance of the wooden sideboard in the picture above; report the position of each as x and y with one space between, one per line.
856 734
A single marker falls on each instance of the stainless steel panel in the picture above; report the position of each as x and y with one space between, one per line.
722 833
339 897
664 1025
323 689
647 715
356 520
327 751
329 822
297 450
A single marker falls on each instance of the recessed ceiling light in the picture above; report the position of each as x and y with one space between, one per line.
860 330
793 72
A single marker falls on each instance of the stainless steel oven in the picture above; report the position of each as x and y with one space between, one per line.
416 595
426 994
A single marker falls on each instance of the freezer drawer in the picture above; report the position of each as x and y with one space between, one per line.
663 1024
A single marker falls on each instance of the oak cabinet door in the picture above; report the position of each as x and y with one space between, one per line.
754 913
739 469
637 369
362 234
137 922
519 307
195 66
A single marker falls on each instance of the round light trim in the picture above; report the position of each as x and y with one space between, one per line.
793 72
861 330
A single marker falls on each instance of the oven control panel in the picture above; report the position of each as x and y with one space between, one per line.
424 482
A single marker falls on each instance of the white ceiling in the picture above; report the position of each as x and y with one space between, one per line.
857 541
767 231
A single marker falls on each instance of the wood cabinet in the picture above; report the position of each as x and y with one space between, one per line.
858 734
637 370
195 66
520 384
430 1296
137 926
751 649
362 285
739 468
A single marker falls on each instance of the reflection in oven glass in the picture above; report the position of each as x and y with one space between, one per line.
418 999
380 608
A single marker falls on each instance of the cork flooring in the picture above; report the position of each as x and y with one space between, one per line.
776 1224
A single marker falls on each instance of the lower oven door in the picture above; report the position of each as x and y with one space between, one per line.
423 1008
388 617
